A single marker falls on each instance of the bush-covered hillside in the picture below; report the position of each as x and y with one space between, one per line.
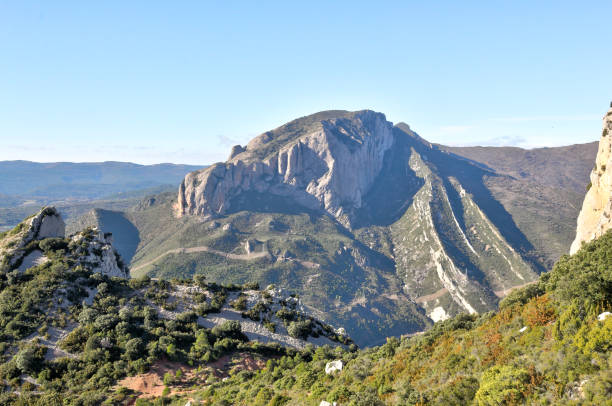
68 334
545 345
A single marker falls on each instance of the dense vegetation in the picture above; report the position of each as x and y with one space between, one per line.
68 334
544 346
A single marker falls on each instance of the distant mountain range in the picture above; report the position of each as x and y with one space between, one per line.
75 188
62 180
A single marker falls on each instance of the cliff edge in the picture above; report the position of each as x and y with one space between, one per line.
594 219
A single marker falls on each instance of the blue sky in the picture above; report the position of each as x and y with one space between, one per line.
157 81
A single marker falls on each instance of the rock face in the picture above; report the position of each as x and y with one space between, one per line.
100 255
90 248
595 216
328 163
46 223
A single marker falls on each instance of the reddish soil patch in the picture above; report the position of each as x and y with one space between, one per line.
151 384
236 363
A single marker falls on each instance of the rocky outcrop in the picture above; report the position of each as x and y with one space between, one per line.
236 149
595 217
99 254
46 223
90 248
329 164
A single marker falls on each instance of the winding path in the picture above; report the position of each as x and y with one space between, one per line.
181 250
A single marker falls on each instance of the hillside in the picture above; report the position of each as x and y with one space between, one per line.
73 335
559 167
367 220
549 343
72 325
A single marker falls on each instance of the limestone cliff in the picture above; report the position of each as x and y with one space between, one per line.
21 247
46 223
329 160
97 253
594 219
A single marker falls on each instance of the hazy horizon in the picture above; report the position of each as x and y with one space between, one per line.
228 151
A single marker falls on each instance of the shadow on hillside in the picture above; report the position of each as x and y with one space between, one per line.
125 235
472 178
393 190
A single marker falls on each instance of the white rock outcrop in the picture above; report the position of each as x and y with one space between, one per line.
333 366
331 165
603 316
46 223
100 256
595 217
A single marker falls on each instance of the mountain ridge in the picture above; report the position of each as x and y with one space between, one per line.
430 221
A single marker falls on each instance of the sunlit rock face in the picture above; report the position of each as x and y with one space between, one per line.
594 219
328 163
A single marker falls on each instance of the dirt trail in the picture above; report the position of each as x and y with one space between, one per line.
505 292
243 257
433 296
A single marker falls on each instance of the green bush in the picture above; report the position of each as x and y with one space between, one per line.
502 385
300 329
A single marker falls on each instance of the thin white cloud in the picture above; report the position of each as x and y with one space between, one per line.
226 141
584 117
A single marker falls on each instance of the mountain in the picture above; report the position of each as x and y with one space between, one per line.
549 343
594 219
72 325
558 167
75 330
63 180
375 227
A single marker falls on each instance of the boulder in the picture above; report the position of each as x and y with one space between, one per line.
333 366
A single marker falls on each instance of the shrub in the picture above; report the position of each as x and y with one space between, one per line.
539 312
240 303
229 329
300 329
53 244
502 385
30 359
134 348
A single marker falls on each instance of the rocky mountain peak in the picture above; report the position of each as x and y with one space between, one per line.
595 217
327 161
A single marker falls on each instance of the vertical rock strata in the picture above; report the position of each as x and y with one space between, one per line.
331 165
